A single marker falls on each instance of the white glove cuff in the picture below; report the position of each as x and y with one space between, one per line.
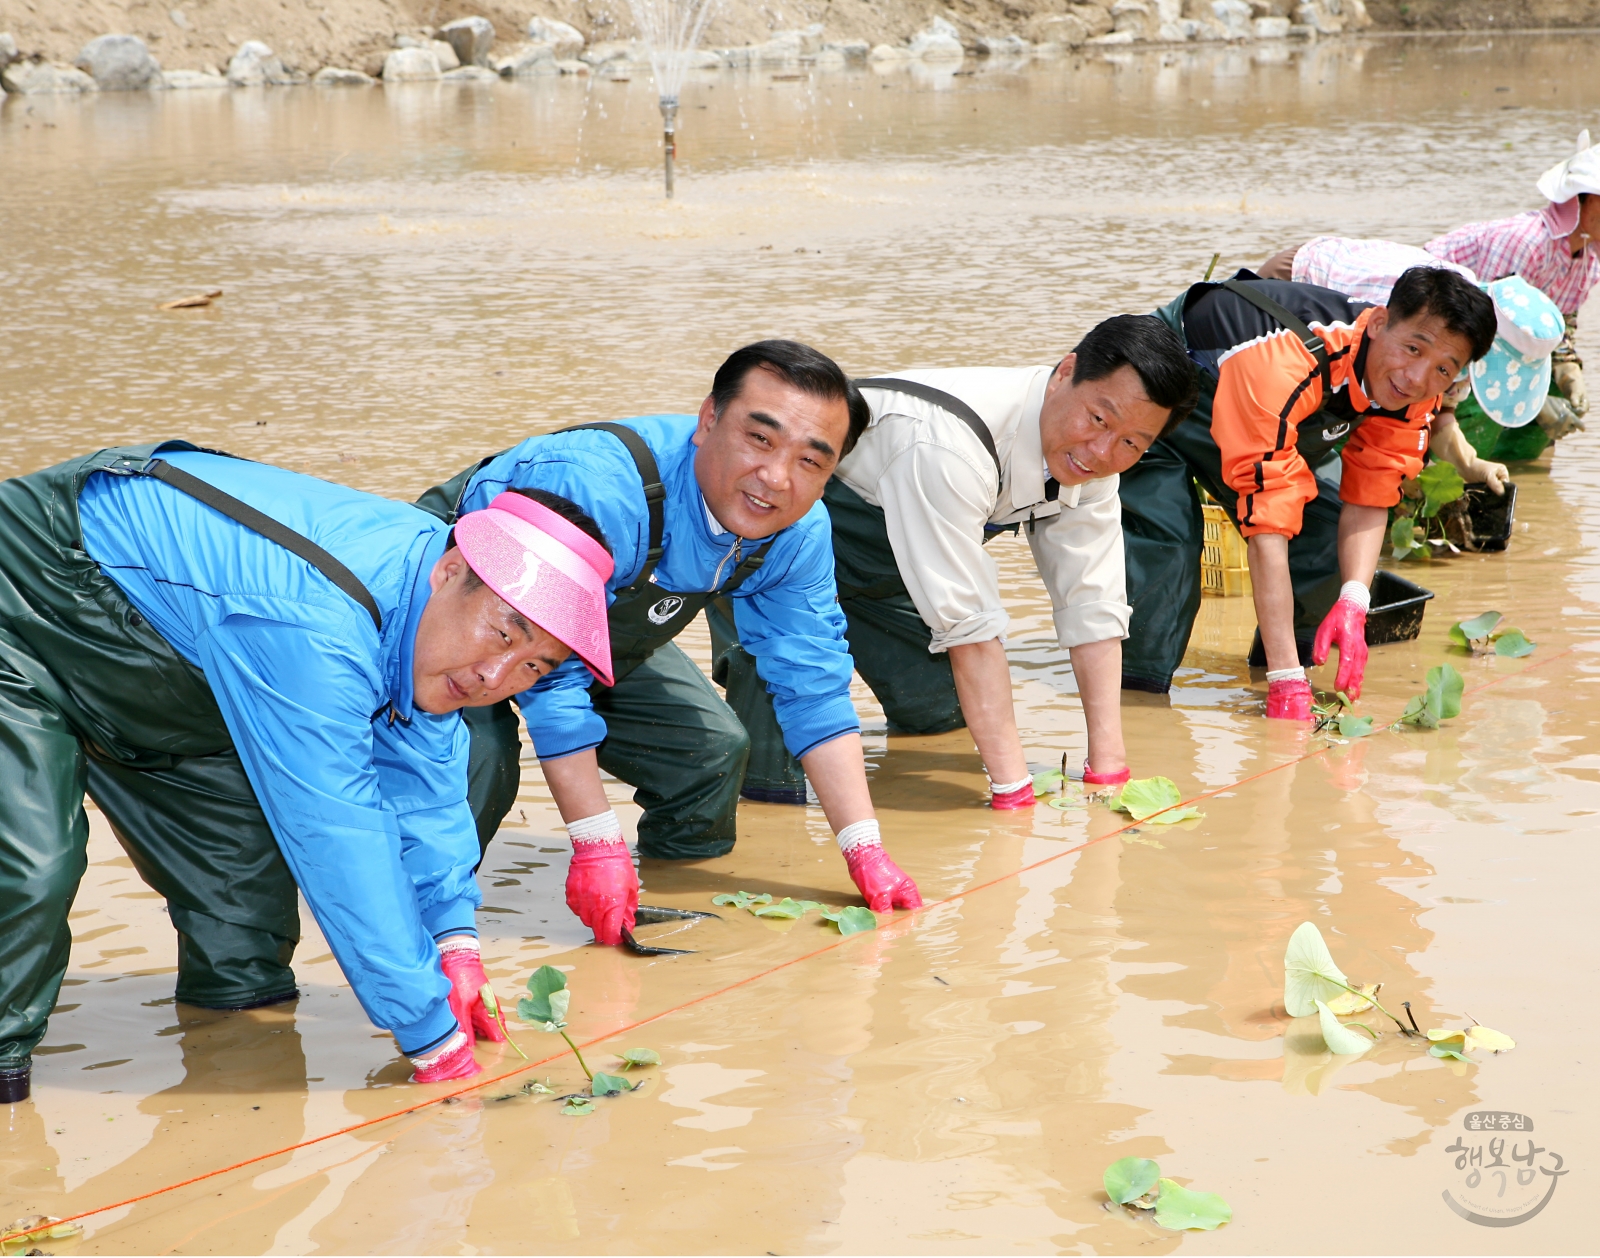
603 827
1355 592
1285 674
459 943
859 834
443 1051
999 788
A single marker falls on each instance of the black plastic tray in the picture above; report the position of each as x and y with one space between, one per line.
1396 616
1491 515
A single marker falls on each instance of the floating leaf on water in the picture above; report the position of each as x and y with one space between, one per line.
1354 726
1181 1209
1513 645
41 1227
1340 1039
1064 802
1347 1003
1439 702
788 907
640 1057
608 1085
741 899
853 920
1128 1179
1447 1049
1440 1035
1142 798
577 1107
535 1088
1309 974
1174 815
1492 1041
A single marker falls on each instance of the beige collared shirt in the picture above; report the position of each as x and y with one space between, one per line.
937 486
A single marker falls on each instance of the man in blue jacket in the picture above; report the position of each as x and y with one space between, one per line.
719 509
256 675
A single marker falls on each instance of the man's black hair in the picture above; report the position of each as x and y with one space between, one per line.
799 366
568 510
1152 349
1464 308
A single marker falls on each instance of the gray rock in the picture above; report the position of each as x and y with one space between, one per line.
1272 28
849 50
471 37
632 52
938 41
470 74
1060 30
119 63
183 80
528 61
256 65
888 53
336 76
1234 15
444 53
8 50
573 66
1003 46
568 41
1097 17
41 78
1137 17
411 65
1325 16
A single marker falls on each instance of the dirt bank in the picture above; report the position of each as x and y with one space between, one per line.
308 34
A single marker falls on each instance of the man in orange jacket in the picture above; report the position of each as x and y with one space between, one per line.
1288 373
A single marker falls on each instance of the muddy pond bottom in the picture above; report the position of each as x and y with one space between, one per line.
411 283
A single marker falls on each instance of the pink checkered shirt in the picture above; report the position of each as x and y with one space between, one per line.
1532 245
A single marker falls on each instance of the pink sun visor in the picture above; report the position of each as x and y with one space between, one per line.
547 568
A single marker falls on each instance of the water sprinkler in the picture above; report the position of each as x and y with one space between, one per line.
669 129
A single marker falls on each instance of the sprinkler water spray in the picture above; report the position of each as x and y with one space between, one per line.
671 29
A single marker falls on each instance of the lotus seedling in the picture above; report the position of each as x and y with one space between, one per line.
1439 702
1335 714
1154 800
1137 1182
1436 485
1482 636
546 1008
491 1002
850 921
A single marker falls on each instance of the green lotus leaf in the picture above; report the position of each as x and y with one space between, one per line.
1443 699
1046 783
640 1057
854 920
608 1085
787 908
1340 1039
1513 644
1440 483
1354 726
1144 797
1128 1179
1181 1209
1309 974
1466 632
1174 815
577 1107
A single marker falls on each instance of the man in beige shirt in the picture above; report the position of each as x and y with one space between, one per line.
951 459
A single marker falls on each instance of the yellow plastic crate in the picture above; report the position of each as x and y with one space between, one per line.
1224 566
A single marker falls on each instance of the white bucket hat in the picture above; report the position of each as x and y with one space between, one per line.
1579 173
1511 381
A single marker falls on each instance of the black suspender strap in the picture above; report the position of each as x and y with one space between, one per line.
243 513
748 566
1313 343
945 401
654 493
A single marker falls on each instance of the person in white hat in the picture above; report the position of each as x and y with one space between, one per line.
1557 250
1504 384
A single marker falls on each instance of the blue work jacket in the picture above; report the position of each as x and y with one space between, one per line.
366 794
786 613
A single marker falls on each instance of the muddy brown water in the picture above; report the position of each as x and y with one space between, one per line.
416 277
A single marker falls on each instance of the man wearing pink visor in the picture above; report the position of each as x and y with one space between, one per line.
258 677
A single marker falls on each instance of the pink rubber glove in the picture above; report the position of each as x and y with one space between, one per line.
1345 626
1012 795
463 966
451 1063
882 883
1289 700
1091 778
602 888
